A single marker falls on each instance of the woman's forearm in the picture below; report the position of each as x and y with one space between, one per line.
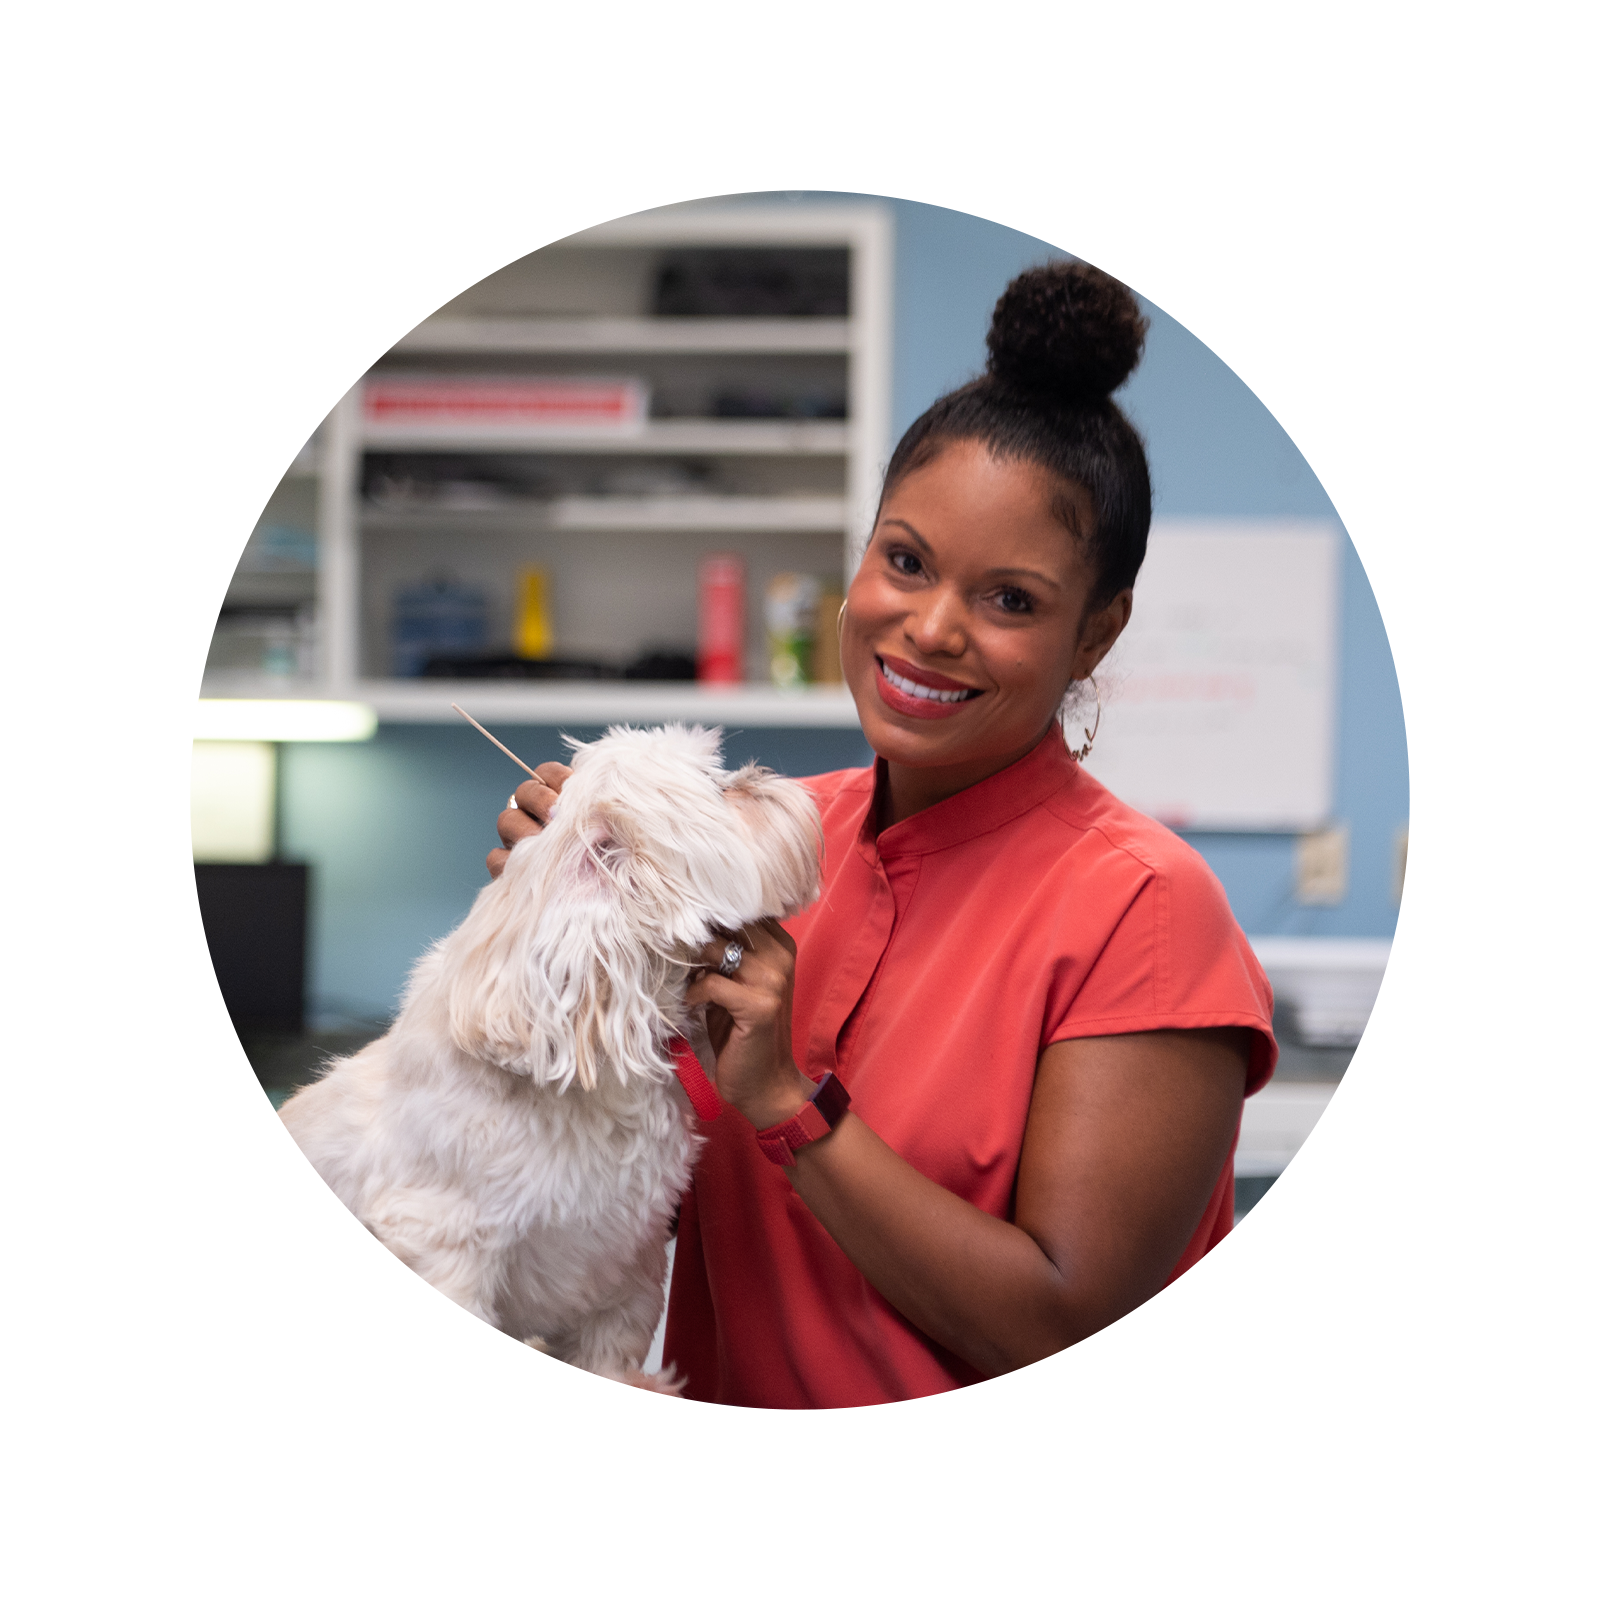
979 1286
1126 1139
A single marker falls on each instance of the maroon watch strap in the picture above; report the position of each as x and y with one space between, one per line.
818 1116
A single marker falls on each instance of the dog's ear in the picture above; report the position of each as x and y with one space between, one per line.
551 977
486 968
785 831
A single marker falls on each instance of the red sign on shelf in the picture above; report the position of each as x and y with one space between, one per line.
476 405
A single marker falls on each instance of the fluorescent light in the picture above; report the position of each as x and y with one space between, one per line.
285 721
232 800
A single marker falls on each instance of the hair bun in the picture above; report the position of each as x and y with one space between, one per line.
1066 331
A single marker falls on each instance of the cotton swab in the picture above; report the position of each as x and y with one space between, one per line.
494 741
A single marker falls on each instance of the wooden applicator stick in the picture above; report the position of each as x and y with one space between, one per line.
494 741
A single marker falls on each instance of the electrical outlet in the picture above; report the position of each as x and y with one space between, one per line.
1322 867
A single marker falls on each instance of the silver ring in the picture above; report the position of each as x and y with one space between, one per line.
731 957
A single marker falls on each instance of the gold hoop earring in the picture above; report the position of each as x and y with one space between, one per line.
838 625
1088 733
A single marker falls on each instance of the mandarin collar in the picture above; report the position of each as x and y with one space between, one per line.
1047 769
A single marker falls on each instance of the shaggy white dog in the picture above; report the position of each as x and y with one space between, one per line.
518 1137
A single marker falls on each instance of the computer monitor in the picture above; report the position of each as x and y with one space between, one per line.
247 946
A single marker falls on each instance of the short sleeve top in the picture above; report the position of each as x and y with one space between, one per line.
942 958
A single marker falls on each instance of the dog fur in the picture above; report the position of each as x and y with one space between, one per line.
517 1137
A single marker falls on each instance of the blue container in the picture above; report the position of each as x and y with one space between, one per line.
439 617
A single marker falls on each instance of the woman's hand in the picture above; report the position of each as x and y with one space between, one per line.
529 811
748 1018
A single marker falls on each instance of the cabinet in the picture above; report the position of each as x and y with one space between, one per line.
766 436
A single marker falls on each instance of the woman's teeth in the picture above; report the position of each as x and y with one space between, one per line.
921 691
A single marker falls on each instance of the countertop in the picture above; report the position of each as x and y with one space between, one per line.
1328 1064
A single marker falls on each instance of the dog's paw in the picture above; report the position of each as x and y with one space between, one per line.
629 1392
527 1367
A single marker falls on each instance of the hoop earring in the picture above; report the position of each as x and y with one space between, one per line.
838 625
1088 733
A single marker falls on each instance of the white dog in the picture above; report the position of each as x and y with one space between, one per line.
517 1137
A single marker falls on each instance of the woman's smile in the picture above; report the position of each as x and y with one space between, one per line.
916 692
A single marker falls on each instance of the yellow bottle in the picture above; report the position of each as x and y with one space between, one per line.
535 637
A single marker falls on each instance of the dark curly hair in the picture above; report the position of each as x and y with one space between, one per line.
1062 338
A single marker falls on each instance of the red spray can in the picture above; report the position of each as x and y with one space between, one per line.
720 657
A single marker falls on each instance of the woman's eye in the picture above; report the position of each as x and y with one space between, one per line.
904 561
1017 601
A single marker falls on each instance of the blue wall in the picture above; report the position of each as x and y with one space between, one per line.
397 829
1276 381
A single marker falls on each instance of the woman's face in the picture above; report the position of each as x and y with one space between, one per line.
970 616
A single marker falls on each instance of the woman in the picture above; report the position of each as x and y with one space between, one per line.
1040 1009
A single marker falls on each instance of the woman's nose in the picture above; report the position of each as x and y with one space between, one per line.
938 626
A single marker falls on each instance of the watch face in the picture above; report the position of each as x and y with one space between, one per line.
832 1099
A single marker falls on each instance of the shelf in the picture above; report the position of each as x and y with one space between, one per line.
290 588
571 704
632 514
252 468
596 704
239 683
628 335
670 436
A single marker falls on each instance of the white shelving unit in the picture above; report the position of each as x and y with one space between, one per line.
787 493
756 705
644 514
670 438
629 335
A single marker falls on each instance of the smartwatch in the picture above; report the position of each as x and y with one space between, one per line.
818 1117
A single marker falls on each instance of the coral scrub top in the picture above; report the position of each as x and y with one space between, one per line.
944 955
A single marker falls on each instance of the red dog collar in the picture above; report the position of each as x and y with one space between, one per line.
686 1064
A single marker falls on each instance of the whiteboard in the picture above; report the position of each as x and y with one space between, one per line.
1219 699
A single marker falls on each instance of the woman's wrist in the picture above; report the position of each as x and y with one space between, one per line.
778 1102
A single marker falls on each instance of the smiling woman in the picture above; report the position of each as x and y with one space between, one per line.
973 566
992 1081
